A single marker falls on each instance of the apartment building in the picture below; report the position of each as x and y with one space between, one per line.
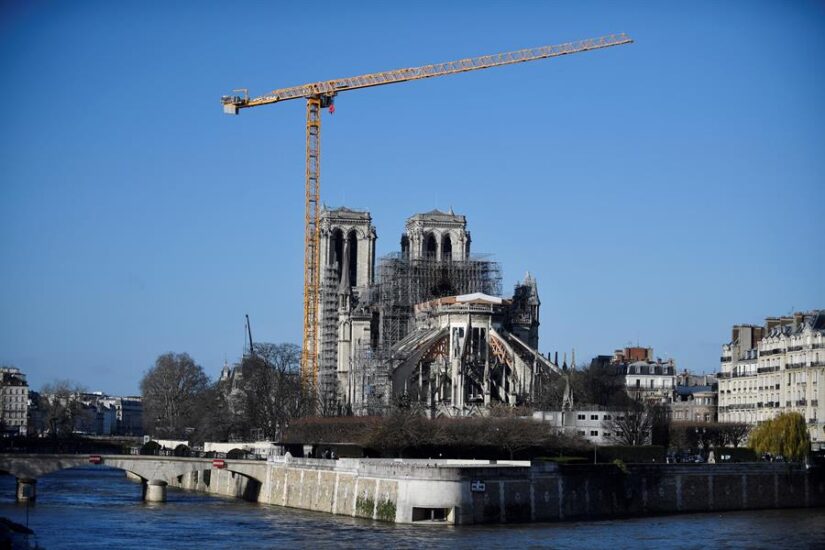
14 400
775 368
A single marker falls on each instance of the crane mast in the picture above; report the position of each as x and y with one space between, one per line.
319 95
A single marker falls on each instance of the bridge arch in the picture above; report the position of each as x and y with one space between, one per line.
170 470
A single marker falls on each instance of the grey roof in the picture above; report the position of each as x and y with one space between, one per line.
814 319
344 212
438 216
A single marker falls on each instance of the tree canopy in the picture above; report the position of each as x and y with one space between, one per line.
785 435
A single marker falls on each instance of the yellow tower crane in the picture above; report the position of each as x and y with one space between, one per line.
319 95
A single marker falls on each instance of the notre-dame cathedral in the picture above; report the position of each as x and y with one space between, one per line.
429 326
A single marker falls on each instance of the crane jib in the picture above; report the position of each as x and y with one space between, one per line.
321 94
331 87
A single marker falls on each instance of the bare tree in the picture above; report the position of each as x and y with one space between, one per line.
402 429
61 407
633 426
266 393
172 391
735 433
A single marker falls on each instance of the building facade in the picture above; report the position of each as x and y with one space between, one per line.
14 401
695 398
776 368
646 377
597 425
694 404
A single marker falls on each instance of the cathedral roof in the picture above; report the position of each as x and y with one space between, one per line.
344 212
439 216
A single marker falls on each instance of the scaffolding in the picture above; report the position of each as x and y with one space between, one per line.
328 321
370 374
403 283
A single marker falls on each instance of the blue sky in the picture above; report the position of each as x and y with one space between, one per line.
660 192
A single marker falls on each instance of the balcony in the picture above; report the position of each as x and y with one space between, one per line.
762 370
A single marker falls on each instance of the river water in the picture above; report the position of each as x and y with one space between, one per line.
89 508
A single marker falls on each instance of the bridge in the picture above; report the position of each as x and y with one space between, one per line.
154 472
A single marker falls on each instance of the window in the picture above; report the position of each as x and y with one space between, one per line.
581 432
594 417
638 383
608 417
580 417
594 433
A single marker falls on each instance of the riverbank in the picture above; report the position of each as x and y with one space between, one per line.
478 492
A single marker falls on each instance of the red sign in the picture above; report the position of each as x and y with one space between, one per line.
218 463
95 459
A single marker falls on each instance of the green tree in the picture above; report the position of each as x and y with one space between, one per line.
785 435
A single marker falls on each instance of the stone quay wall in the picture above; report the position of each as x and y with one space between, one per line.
467 492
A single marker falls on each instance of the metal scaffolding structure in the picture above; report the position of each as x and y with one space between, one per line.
328 344
403 283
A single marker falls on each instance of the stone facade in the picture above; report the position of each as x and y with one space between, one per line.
14 400
775 368
694 404
436 235
594 425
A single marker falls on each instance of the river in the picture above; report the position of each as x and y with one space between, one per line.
89 508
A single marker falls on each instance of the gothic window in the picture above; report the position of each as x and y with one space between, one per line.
446 248
405 247
336 250
353 258
430 247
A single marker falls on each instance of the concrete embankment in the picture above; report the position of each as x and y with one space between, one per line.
466 492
